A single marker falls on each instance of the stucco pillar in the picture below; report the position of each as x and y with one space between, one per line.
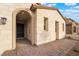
13 31
33 28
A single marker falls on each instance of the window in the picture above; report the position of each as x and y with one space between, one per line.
46 23
63 26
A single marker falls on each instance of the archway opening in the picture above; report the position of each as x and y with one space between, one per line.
23 27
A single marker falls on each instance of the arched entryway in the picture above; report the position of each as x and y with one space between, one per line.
23 26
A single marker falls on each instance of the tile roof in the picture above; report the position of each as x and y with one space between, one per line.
39 6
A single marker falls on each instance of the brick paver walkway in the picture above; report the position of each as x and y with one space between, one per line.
55 48
75 50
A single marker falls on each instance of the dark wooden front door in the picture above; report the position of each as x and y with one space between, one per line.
19 30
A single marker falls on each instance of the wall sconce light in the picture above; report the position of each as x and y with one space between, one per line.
3 20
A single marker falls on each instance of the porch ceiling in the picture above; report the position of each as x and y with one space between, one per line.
23 15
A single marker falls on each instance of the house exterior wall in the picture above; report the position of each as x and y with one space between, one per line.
6 31
71 27
77 28
50 35
74 25
68 28
28 30
38 35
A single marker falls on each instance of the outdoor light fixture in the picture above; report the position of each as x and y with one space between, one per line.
3 20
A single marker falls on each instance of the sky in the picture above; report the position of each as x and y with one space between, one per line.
69 10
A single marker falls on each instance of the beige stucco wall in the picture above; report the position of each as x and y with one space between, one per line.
77 28
6 39
28 29
5 30
50 35
74 25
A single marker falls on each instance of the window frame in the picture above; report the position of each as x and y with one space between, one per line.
46 23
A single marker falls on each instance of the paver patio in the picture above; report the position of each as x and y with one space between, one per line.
75 50
55 48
